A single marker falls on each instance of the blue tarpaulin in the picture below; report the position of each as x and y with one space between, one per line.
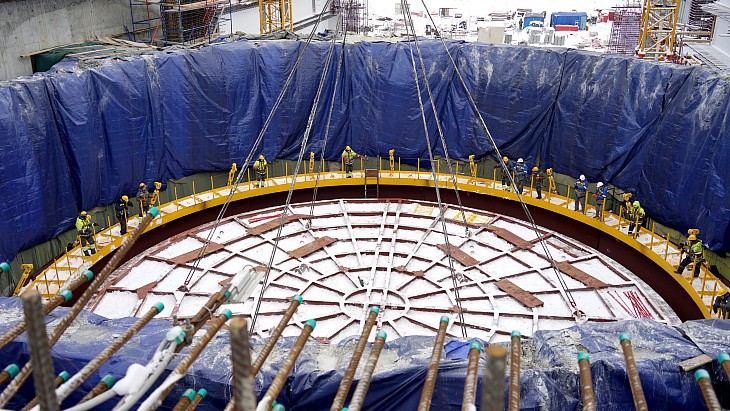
75 138
549 377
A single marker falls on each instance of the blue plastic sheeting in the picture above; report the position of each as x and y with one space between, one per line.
77 139
549 378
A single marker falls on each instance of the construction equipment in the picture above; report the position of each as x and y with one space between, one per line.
275 15
658 30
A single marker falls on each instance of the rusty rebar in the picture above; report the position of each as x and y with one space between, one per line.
635 382
49 306
286 366
349 375
514 371
112 348
244 386
472 372
185 400
40 351
199 396
8 373
155 400
424 404
708 393
358 397
71 315
274 337
101 387
724 360
493 383
60 379
586 384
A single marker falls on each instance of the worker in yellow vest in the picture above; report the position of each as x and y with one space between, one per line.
260 168
86 235
348 157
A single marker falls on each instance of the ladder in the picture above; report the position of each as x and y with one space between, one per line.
370 174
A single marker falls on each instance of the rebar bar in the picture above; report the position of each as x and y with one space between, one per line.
586 384
493 383
199 396
155 401
346 382
8 373
101 387
40 351
64 322
358 397
724 360
514 371
286 367
708 393
424 404
52 304
472 371
274 337
244 389
185 400
60 379
635 382
112 348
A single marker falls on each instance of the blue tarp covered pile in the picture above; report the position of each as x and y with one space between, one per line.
549 378
75 139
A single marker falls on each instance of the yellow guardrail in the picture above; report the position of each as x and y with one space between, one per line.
659 249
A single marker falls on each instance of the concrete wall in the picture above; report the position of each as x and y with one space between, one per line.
31 25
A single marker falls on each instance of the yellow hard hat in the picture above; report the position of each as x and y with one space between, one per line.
505 159
141 185
82 214
627 196
535 169
261 157
692 237
125 198
347 148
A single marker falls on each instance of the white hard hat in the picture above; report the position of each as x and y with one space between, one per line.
519 160
582 177
600 184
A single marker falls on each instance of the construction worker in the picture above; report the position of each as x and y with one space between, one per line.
581 186
694 255
121 208
537 178
600 195
722 304
260 168
636 217
520 172
143 198
348 156
86 235
509 165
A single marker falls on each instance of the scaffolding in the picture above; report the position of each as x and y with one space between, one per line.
191 22
275 15
354 14
145 21
625 30
658 29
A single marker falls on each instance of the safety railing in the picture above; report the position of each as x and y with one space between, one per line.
73 262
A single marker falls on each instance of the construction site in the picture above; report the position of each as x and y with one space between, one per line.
364 205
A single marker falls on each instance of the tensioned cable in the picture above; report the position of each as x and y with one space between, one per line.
473 104
303 146
254 148
449 257
340 24
438 126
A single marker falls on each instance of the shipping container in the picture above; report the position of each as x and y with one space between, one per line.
530 17
571 18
